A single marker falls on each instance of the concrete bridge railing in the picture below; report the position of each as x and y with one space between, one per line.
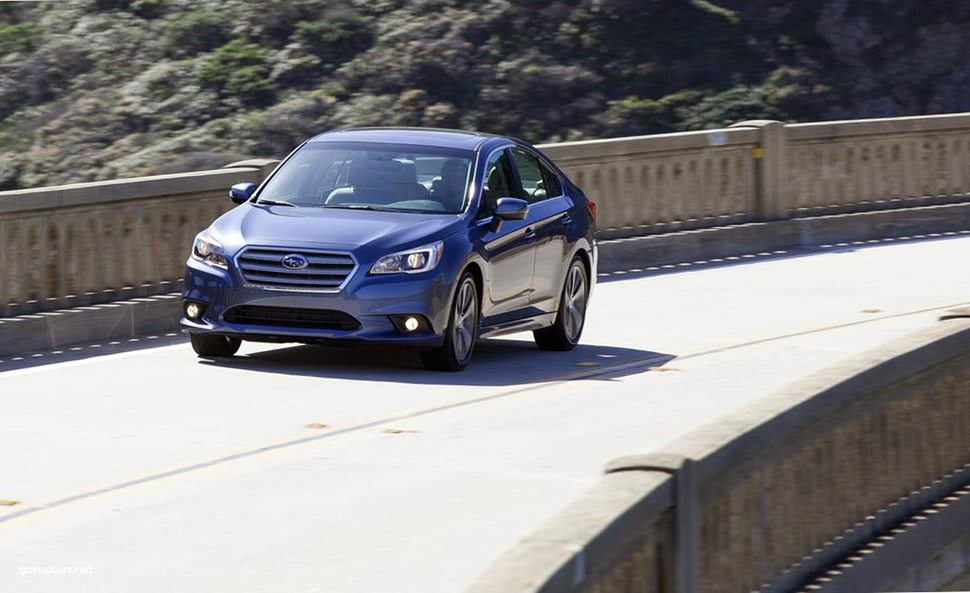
653 184
861 165
765 170
846 481
95 242
98 242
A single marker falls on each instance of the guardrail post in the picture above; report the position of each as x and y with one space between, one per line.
771 169
687 526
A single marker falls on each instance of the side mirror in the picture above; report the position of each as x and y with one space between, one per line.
241 192
508 209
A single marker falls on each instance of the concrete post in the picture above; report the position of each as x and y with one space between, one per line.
771 169
687 526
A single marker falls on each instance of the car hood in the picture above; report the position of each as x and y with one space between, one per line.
251 224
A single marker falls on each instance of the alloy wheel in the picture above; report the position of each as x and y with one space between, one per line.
466 317
575 309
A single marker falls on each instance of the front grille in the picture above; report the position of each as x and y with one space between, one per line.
291 317
327 270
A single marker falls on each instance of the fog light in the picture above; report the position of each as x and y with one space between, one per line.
193 311
411 323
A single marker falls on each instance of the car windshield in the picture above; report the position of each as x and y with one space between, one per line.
372 176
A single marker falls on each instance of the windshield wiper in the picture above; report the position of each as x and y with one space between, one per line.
353 207
376 209
275 203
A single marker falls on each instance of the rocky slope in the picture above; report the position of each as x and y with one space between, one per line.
95 89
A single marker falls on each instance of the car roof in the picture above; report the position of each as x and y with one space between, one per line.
458 139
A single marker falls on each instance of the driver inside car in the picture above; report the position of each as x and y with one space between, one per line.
450 189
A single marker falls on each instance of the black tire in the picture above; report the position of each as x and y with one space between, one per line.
214 346
462 331
571 317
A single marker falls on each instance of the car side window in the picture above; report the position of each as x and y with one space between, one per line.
533 188
497 184
552 184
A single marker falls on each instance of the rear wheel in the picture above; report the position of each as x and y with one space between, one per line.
571 317
462 331
214 346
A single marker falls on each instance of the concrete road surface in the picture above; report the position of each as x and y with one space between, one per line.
299 469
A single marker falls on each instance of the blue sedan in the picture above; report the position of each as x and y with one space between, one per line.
424 238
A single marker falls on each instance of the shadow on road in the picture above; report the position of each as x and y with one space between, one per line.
83 351
496 363
637 273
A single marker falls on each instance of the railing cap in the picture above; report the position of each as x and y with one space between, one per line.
136 188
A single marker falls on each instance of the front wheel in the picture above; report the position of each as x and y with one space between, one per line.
214 346
571 317
462 331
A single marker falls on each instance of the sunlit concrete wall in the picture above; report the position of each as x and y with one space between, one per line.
94 242
764 170
668 182
844 482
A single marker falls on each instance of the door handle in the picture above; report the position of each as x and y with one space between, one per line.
530 234
567 219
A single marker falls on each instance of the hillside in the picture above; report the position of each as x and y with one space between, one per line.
95 89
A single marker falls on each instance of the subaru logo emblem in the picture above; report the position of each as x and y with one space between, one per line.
295 261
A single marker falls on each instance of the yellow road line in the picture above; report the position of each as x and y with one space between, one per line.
499 393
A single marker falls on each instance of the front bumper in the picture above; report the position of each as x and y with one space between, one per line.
371 300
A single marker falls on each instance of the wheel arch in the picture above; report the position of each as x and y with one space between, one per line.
584 251
587 260
478 276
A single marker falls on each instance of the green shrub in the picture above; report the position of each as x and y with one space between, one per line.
634 116
729 107
149 9
22 37
334 40
196 32
239 70
108 5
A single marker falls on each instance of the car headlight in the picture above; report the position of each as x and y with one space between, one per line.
209 250
411 261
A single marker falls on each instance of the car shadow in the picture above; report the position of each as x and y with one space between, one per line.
496 362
